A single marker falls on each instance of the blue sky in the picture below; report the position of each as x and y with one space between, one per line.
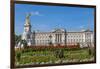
47 18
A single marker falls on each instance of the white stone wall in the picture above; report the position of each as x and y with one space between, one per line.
42 38
72 38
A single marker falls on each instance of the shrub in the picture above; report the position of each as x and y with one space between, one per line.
18 56
59 53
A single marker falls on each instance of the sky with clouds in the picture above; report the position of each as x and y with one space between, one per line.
47 18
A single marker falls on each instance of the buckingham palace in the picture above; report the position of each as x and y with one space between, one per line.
57 36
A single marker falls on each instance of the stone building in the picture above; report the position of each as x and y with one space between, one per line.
56 37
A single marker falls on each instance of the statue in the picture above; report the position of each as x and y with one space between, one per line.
28 15
28 18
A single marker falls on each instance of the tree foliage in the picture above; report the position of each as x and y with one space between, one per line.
17 38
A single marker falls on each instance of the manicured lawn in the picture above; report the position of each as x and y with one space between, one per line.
32 56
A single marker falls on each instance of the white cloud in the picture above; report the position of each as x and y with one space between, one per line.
82 26
36 13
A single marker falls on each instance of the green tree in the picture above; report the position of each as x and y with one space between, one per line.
18 56
17 38
24 42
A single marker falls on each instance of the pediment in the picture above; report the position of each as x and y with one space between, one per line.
58 30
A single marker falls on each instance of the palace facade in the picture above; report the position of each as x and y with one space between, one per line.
56 37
